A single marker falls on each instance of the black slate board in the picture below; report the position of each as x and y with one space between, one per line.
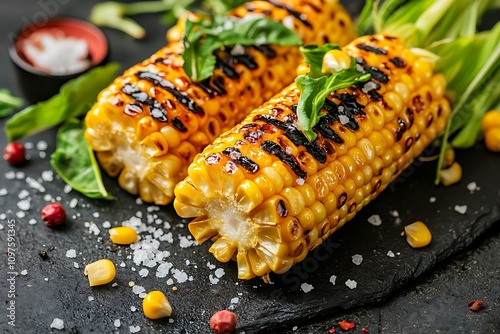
260 307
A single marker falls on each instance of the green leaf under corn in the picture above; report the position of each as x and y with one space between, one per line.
74 99
8 103
313 55
75 163
314 91
202 38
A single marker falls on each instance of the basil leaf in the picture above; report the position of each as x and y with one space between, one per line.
313 95
8 103
202 38
73 100
75 163
313 55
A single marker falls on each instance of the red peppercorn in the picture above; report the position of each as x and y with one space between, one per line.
476 305
223 322
14 153
345 325
53 214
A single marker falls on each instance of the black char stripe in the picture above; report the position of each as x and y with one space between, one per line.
276 150
226 69
373 49
376 73
245 162
179 125
155 108
294 13
348 109
266 50
296 137
398 62
168 86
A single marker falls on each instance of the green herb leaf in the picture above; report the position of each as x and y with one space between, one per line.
8 103
202 38
313 55
74 161
313 92
73 100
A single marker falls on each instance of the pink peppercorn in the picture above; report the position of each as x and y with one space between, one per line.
223 322
53 214
14 153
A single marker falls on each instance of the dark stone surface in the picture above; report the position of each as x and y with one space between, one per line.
417 291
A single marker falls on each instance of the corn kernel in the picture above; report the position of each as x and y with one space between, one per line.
491 120
335 61
155 305
417 234
451 175
492 139
100 272
123 235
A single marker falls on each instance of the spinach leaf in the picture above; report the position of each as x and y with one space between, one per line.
74 99
313 55
74 161
8 103
202 38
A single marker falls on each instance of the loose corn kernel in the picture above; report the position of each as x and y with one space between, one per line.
156 306
449 157
491 120
451 175
335 61
492 139
123 235
100 272
418 234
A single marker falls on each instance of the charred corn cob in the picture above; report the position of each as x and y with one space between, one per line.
267 196
148 125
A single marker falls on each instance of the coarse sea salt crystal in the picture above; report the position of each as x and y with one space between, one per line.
106 224
137 289
23 194
143 272
134 329
117 323
390 254
235 300
24 205
41 145
24 272
163 269
67 189
179 275
472 187
20 214
76 265
219 272
94 229
10 175
432 199
351 284
91 298
48 175
73 203
32 221
375 220
71 253
357 259
306 287
213 280
20 175
333 279
57 324
462 209
3 192
133 308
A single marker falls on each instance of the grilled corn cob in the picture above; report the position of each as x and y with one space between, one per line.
148 125
267 196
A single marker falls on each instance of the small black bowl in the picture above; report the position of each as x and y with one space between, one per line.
35 83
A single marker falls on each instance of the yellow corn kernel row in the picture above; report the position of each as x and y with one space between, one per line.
148 125
266 197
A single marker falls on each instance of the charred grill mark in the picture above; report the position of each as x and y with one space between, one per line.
181 97
266 50
179 125
245 162
132 109
341 201
213 159
373 49
376 73
245 59
374 95
155 108
281 209
296 137
218 82
226 69
401 129
301 17
274 149
408 143
398 62
411 117
327 131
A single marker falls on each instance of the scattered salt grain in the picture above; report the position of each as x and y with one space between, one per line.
306 287
238 50
351 284
41 145
133 308
48 175
170 281
10 175
32 221
114 285
432 199
394 213
357 259
67 189
185 242
375 220
235 300
42 154
213 280
76 265
29 145
163 269
20 214
96 215
91 298
47 197
71 253
106 224
3 192
24 272
94 229
1 227
390 254
344 119
134 329
368 86
219 272
472 187
24 205
73 203
300 181
333 279
20 175
57 324
179 275
462 209
137 289
34 184
288 21
23 194
143 272
117 323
